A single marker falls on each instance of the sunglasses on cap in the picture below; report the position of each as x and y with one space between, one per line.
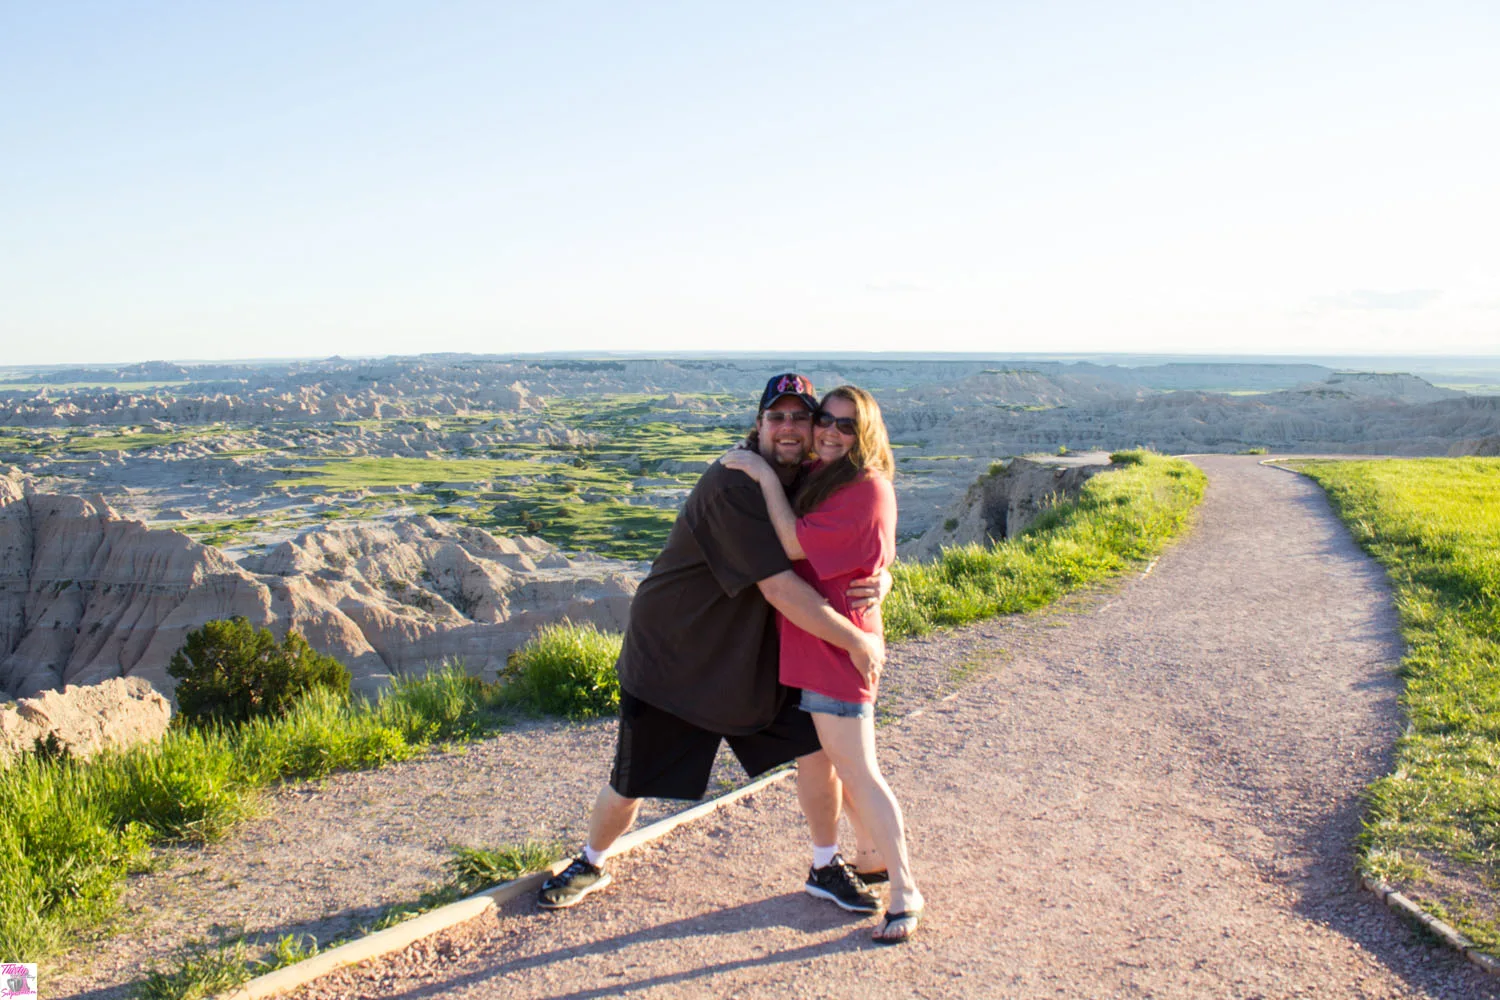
846 425
786 416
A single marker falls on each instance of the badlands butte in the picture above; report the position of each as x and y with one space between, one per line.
402 512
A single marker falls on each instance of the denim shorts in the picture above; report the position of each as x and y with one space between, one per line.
814 702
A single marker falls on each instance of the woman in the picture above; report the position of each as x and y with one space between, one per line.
843 526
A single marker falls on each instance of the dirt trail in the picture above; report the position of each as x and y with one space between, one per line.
1156 798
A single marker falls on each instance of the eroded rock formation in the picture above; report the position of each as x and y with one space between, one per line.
86 595
84 719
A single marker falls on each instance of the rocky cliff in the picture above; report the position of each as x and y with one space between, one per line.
1004 502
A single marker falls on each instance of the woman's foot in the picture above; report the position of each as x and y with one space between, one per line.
896 927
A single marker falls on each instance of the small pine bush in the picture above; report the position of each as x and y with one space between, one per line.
567 669
230 671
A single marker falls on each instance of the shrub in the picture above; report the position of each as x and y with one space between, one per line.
950 524
230 671
567 669
1134 456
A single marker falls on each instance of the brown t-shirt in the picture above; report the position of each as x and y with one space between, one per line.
702 641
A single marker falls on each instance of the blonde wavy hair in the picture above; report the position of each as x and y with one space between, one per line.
869 454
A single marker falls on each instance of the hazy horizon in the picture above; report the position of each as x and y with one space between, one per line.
1448 364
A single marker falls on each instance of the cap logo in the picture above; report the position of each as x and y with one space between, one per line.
793 383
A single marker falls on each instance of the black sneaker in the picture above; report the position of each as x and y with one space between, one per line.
569 886
837 882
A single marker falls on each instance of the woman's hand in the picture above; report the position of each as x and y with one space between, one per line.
869 657
749 462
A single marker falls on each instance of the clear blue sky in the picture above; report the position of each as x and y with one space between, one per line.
211 180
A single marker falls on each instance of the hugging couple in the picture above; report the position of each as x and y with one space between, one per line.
760 624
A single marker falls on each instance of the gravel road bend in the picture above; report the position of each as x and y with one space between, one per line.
1154 795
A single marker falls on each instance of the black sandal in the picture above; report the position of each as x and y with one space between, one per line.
910 919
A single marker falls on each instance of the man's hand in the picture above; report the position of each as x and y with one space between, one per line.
869 591
869 657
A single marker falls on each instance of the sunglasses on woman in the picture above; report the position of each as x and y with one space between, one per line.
846 425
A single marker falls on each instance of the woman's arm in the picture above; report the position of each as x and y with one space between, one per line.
777 505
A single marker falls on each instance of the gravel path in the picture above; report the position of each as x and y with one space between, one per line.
1156 798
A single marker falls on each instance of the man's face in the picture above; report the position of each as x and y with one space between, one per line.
785 432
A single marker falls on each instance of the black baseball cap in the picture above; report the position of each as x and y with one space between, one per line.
788 384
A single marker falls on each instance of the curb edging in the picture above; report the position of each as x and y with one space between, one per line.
1443 931
395 938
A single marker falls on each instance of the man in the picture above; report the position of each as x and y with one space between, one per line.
699 663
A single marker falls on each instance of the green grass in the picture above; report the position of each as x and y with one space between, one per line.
128 440
71 830
225 532
568 670
1121 517
1433 826
363 472
203 971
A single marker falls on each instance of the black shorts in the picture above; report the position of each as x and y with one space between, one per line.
660 756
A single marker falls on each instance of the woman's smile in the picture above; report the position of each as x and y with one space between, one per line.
830 443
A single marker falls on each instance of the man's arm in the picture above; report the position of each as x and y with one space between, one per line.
805 608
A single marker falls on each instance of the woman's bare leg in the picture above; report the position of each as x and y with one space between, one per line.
850 745
819 792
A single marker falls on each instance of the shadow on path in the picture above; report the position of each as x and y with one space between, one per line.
778 912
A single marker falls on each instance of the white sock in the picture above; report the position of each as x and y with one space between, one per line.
823 856
595 858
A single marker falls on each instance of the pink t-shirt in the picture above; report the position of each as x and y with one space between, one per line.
852 535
